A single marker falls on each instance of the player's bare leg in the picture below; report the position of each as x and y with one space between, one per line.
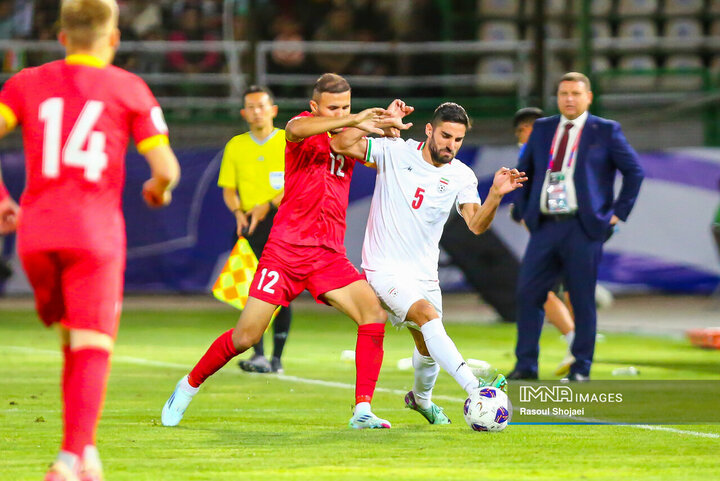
253 321
560 316
359 303
85 371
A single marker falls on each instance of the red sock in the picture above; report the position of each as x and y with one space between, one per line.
67 367
84 393
368 359
219 353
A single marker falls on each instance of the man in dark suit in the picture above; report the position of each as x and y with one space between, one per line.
569 207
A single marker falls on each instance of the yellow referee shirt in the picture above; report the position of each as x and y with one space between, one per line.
256 169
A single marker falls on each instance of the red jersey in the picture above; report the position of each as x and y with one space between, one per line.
77 115
317 186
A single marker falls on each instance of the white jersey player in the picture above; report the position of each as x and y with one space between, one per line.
417 185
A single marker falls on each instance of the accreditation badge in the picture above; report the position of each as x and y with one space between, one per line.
277 180
556 190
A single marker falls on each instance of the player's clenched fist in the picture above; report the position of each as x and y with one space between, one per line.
8 216
156 195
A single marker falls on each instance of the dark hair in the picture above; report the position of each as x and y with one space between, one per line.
253 89
330 83
576 77
450 112
528 114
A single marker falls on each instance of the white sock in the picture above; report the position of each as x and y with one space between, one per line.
68 459
443 350
91 457
426 372
570 337
185 386
363 408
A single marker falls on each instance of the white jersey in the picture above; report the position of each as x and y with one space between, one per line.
410 205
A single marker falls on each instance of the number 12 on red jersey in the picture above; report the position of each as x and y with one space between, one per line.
93 160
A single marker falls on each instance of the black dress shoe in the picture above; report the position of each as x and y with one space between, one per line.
518 375
575 377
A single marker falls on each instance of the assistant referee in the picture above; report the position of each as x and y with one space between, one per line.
252 177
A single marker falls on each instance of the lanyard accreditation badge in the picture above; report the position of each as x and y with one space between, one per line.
556 182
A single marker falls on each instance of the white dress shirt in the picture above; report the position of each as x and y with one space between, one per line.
568 167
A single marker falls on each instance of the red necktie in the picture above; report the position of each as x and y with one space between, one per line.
560 156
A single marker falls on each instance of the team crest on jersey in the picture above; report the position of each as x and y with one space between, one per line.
442 185
393 292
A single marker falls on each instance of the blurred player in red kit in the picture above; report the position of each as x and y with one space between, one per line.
77 115
306 251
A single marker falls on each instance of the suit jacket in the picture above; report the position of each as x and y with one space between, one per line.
602 151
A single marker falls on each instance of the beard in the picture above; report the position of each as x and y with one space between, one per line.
435 154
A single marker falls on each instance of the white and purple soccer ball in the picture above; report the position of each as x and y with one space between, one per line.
487 409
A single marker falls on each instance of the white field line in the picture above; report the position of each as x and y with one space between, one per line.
318 382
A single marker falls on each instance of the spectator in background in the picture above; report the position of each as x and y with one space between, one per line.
570 208
190 28
7 29
288 59
337 27
43 29
287 29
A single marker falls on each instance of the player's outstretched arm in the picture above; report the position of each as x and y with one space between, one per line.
301 128
478 219
164 176
350 143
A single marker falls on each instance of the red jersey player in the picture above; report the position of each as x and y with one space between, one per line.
77 115
305 251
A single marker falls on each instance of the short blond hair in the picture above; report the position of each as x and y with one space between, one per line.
86 21
576 77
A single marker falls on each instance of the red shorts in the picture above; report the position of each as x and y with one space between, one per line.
285 270
80 289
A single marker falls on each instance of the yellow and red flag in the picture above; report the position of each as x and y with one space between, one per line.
233 284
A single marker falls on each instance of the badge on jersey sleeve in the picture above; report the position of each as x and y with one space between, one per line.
277 180
443 184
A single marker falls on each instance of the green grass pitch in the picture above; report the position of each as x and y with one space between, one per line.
265 427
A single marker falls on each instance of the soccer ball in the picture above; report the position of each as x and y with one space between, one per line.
487 409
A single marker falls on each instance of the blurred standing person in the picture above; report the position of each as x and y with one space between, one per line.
77 115
569 207
556 310
252 178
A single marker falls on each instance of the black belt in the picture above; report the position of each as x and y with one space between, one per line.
556 217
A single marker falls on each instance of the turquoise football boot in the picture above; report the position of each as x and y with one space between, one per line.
434 414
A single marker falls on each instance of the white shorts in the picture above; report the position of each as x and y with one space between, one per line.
397 294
